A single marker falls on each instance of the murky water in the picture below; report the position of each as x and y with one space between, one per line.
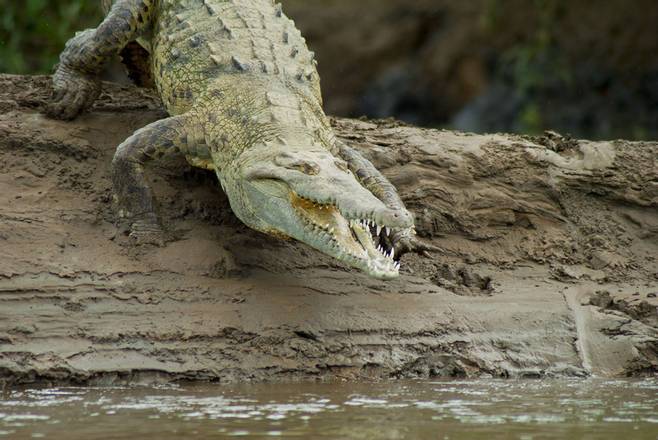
478 409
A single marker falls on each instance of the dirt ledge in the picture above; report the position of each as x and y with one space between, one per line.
549 265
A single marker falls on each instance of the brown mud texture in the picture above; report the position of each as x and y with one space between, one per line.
549 262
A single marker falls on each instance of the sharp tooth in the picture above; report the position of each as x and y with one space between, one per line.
392 253
379 229
387 231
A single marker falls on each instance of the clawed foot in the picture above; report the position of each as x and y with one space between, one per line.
406 241
74 89
147 232
73 93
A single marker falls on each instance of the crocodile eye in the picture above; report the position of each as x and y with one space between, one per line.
302 165
342 165
310 168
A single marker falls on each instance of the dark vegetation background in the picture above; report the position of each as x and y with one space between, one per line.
586 68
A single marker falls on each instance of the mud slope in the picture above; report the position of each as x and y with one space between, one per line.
549 265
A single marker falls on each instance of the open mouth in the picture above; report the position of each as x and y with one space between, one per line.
360 242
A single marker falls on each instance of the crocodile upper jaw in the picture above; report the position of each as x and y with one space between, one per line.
352 241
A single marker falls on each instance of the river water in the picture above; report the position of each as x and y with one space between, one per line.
442 409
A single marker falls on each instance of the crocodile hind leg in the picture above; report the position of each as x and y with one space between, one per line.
403 240
76 82
164 137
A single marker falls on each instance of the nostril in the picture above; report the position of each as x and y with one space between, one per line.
400 218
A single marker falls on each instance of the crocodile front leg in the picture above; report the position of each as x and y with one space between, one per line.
164 137
76 81
404 240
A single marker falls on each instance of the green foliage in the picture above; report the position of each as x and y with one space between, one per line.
533 62
33 32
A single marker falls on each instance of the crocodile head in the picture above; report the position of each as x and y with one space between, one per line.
311 196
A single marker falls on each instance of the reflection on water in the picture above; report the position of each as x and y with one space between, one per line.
477 409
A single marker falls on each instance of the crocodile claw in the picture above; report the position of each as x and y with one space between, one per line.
147 232
73 93
405 242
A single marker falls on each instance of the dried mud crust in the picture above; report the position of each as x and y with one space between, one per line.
529 234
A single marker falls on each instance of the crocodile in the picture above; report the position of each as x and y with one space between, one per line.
243 96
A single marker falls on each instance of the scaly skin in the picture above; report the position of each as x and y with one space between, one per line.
244 97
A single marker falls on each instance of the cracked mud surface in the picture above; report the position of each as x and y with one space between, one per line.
549 264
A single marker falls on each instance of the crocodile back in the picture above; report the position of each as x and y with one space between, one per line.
199 42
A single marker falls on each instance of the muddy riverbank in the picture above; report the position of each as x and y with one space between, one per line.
549 264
